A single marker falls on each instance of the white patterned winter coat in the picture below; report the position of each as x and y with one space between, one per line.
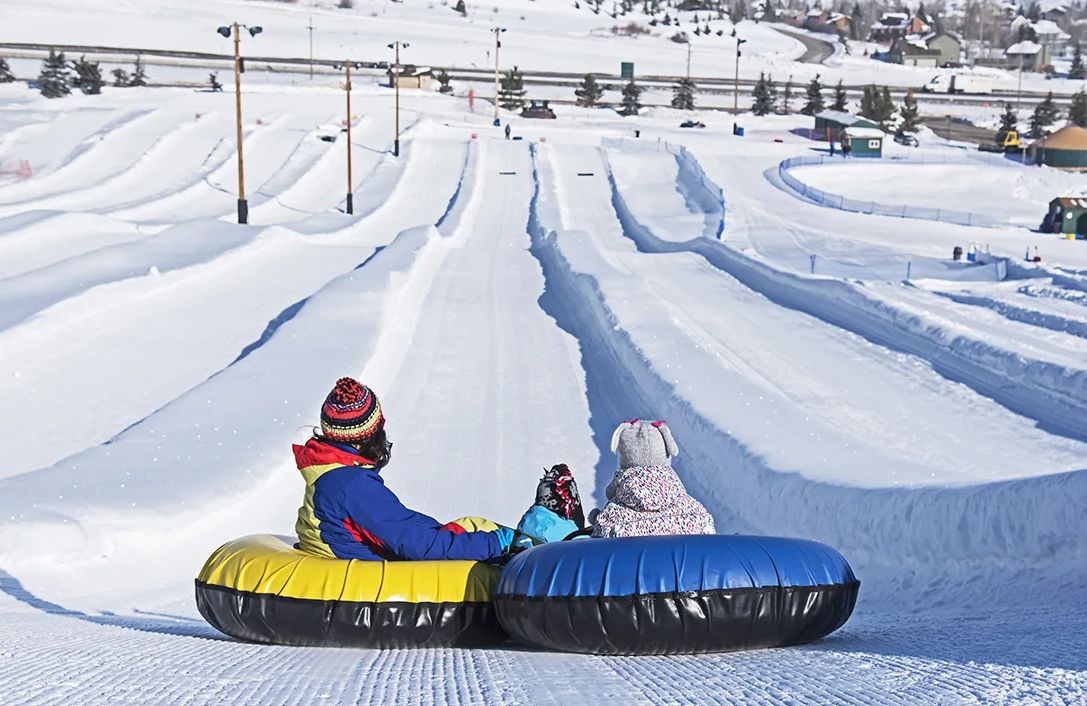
650 500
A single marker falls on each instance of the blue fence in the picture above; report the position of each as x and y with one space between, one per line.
844 203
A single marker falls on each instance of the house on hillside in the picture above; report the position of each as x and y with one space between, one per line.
896 25
913 52
949 46
1023 55
825 21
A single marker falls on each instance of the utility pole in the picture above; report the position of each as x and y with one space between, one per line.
688 60
497 45
350 179
239 67
310 27
1019 90
396 83
736 85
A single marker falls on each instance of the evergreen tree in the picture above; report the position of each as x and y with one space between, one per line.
1077 71
139 76
683 94
443 82
631 93
855 20
5 71
840 101
589 92
1045 114
908 112
512 95
886 108
787 97
121 78
868 103
765 95
1078 112
815 98
88 76
737 12
55 77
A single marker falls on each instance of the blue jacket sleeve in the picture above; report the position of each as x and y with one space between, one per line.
412 535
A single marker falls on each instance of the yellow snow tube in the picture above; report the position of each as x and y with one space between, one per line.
261 589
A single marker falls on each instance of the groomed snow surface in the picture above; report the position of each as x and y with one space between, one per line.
511 301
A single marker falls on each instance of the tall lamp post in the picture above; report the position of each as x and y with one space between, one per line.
736 83
347 66
396 84
239 67
497 45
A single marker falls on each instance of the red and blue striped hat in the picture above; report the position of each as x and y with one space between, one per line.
351 412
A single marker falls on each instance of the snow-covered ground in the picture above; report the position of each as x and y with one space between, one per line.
511 301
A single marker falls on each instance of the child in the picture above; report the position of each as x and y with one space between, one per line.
348 513
557 512
645 496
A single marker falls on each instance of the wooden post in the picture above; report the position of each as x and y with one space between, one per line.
396 82
243 205
350 181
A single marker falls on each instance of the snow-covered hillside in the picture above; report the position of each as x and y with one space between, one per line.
828 374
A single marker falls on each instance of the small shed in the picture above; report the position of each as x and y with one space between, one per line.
863 141
1064 149
830 123
411 76
1068 215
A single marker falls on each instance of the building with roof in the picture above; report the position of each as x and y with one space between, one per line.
829 124
911 52
860 141
1025 55
1064 149
1067 215
411 76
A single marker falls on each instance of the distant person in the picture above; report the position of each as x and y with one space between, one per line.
557 512
646 497
348 513
508 131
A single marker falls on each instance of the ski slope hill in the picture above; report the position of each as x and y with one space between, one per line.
511 301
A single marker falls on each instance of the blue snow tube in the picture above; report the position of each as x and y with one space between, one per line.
675 594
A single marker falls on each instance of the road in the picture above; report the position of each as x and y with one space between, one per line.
816 51
963 132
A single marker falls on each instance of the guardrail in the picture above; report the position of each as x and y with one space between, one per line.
844 203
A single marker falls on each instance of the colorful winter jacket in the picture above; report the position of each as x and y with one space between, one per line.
650 500
348 513
541 523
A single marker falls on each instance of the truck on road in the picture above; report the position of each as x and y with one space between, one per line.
959 83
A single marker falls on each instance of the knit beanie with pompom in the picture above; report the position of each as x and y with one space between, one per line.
351 412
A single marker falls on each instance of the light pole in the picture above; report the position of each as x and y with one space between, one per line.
396 83
239 67
347 65
310 27
497 45
736 84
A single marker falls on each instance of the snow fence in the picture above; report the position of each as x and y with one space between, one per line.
844 203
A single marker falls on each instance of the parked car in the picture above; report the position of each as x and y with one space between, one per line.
692 123
905 138
538 109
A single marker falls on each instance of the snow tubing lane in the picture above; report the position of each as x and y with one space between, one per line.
261 589
675 594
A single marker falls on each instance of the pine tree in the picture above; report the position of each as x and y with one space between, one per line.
765 96
88 76
1009 121
683 94
840 100
512 95
631 93
1078 71
787 97
909 114
868 103
139 76
589 92
1078 112
443 82
55 76
737 12
121 78
886 108
5 71
815 98
1045 114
